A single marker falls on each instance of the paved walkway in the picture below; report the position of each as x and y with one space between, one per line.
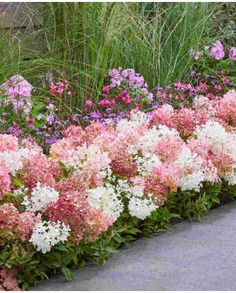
190 256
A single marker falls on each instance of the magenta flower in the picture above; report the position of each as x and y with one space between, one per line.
88 103
217 51
232 54
105 103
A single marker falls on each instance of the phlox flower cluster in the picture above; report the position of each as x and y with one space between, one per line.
18 94
123 91
130 79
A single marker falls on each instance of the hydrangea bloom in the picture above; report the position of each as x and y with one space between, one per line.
107 199
47 234
41 197
141 208
5 180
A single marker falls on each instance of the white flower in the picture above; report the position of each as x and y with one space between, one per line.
41 197
149 140
141 208
192 181
14 159
214 133
88 157
122 186
187 159
138 117
146 163
47 234
106 199
230 177
200 101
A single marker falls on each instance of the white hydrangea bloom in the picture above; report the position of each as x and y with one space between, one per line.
47 234
127 125
230 177
137 191
123 186
138 117
141 208
192 181
14 159
214 133
229 147
88 157
41 197
188 159
107 199
146 163
200 101
149 140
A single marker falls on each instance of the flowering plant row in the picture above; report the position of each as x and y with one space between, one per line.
100 185
213 74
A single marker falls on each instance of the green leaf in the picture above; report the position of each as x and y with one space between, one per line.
68 274
17 182
61 247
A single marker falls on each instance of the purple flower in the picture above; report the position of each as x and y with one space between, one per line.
95 115
217 51
197 55
40 116
232 54
50 118
50 140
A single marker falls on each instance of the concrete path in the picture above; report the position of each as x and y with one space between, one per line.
190 256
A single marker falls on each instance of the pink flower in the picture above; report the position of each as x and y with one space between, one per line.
232 54
8 281
125 98
218 87
184 121
88 103
106 89
162 180
175 145
217 51
8 143
105 103
5 180
163 115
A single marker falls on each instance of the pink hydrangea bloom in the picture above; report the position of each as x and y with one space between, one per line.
163 115
8 281
5 180
175 145
184 121
8 143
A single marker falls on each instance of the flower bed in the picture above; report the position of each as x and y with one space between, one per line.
101 185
